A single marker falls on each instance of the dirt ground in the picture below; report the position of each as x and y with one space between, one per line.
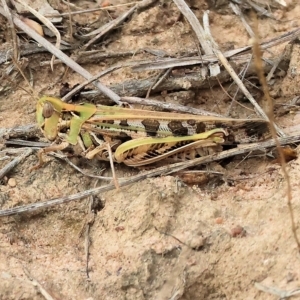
159 238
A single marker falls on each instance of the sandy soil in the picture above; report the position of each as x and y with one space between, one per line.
159 238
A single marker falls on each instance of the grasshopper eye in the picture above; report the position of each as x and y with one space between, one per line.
48 110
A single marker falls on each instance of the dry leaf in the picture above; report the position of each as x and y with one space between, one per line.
34 25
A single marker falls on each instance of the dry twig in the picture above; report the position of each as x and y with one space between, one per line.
28 131
14 162
34 282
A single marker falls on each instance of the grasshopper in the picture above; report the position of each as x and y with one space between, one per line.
139 137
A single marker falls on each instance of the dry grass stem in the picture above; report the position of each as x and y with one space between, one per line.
269 108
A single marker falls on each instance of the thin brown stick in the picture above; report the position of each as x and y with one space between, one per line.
154 83
89 223
268 105
163 77
111 161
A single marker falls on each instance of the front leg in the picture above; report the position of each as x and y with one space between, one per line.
46 150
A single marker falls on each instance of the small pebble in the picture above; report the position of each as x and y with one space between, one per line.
12 182
238 231
219 220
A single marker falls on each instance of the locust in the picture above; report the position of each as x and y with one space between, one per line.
139 137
